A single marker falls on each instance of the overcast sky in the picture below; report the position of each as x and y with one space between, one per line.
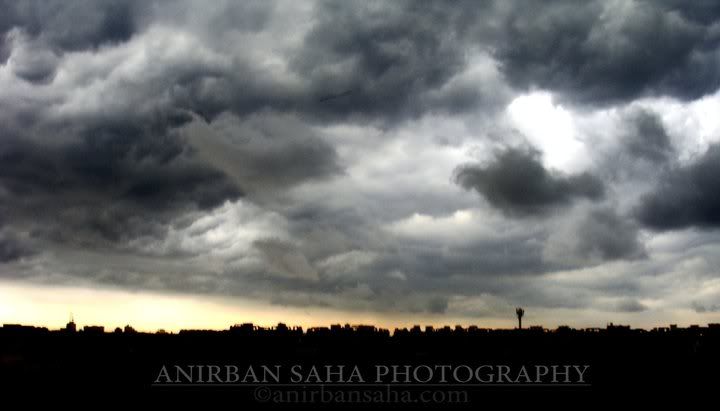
403 162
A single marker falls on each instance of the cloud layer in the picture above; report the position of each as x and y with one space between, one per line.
390 157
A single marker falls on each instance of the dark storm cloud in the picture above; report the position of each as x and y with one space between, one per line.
121 168
685 196
395 67
265 151
284 259
602 52
327 232
5 47
487 258
72 25
701 11
112 181
109 156
341 259
438 305
701 308
631 306
643 149
518 184
12 248
605 235
647 138
390 56
372 61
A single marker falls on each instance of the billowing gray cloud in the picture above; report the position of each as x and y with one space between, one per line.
608 236
284 260
647 139
685 196
109 177
12 248
602 52
592 236
631 306
37 33
32 62
369 62
263 151
387 58
518 184
700 308
72 25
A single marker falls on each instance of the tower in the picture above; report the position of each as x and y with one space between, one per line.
71 327
519 312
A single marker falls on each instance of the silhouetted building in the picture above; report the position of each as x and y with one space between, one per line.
70 327
242 329
365 329
536 329
617 329
23 329
94 329
320 331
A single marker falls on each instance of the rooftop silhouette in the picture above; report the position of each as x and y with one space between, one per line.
282 329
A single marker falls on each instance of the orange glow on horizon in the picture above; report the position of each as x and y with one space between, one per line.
51 306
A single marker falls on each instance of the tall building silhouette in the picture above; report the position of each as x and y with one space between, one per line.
70 326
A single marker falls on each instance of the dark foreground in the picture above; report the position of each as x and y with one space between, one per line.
349 366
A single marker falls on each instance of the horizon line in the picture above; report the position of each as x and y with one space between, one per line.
425 329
